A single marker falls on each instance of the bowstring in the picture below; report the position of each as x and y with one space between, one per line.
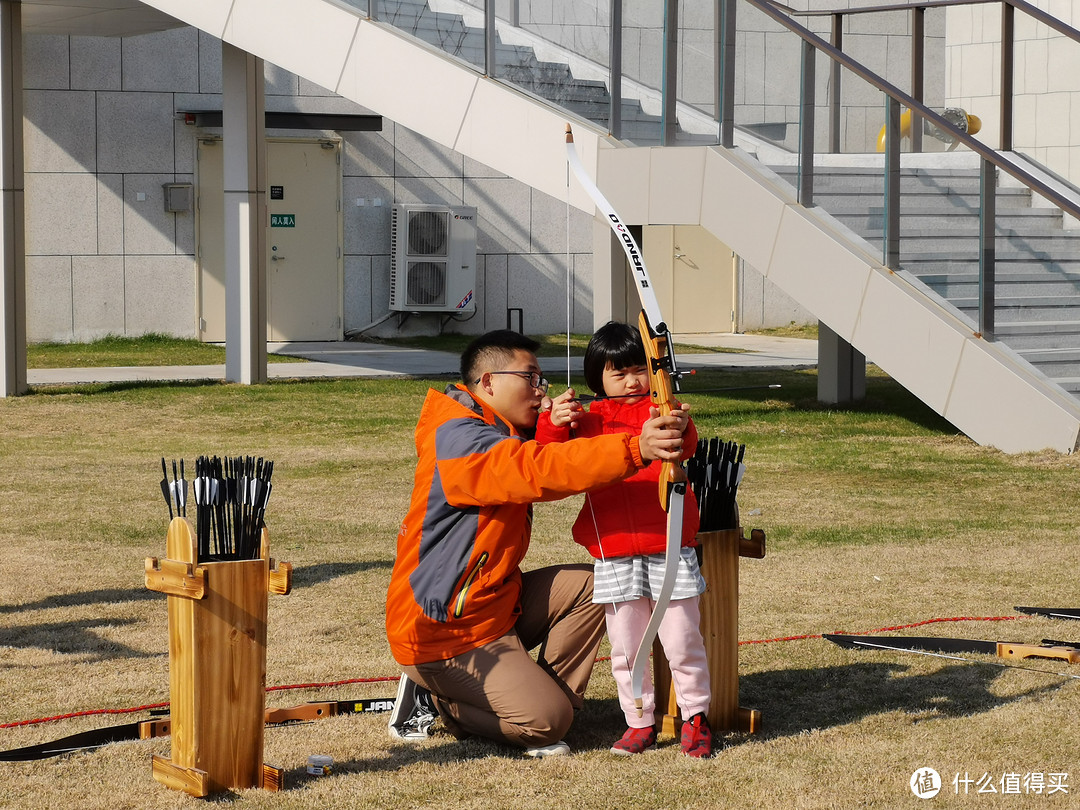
588 499
568 289
618 580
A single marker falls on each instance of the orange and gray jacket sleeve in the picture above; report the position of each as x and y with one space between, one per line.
479 466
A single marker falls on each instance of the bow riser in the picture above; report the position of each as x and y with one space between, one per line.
662 394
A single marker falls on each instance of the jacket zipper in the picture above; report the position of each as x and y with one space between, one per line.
459 603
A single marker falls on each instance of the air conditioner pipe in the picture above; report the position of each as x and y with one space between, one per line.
354 332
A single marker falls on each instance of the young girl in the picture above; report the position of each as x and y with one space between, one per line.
624 527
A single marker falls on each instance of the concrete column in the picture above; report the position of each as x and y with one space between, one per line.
608 274
12 227
841 368
244 136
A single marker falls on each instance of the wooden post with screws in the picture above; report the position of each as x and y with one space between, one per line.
217 664
720 552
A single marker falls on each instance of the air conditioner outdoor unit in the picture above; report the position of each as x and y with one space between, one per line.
432 258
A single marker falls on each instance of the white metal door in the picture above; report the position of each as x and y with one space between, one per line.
304 265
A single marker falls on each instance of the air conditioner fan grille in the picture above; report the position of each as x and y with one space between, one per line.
426 284
428 233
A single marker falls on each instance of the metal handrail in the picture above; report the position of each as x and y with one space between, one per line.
1033 11
918 10
917 107
991 159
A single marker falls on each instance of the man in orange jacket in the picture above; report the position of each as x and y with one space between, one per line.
461 616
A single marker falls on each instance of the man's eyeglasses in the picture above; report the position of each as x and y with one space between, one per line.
534 378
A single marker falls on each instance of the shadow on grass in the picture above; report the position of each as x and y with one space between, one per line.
596 727
71 638
87 389
791 701
308 575
794 701
101 596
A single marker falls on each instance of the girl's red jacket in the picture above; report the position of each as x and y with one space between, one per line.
456 583
624 518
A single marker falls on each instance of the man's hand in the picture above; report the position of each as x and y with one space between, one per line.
565 410
661 436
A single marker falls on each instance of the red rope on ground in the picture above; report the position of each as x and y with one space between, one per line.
386 678
86 713
380 679
148 706
888 629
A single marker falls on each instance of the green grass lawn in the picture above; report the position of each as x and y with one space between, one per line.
147 350
163 350
876 515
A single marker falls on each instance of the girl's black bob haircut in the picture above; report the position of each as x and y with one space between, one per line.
615 343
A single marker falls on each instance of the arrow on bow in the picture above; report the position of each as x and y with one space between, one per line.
162 727
947 647
601 397
664 379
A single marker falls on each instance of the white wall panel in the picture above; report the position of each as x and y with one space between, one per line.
164 62
61 214
97 294
60 131
135 132
48 298
159 295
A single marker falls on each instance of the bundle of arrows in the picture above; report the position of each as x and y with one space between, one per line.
230 501
715 472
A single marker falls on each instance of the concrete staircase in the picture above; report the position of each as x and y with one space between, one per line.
1037 310
918 339
518 64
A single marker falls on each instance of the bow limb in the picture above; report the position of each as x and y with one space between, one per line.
162 727
86 740
626 239
671 568
663 382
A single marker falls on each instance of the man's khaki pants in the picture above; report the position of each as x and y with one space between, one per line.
498 691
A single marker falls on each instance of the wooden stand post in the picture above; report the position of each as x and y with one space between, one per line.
217 664
720 552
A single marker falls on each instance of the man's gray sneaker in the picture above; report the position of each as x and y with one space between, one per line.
414 712
558 749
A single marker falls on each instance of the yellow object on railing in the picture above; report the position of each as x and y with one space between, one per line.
954 115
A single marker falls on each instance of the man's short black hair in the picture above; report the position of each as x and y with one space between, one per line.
616 343
491 350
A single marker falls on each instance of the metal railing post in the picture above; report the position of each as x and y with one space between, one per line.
918 58
490 67
987 249
669 79
1007 56
891 225
725 104
615 70
835 74
806 126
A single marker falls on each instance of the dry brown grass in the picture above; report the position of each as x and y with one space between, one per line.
876 517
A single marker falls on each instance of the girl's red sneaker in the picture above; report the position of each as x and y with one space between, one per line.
634 741
697 737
